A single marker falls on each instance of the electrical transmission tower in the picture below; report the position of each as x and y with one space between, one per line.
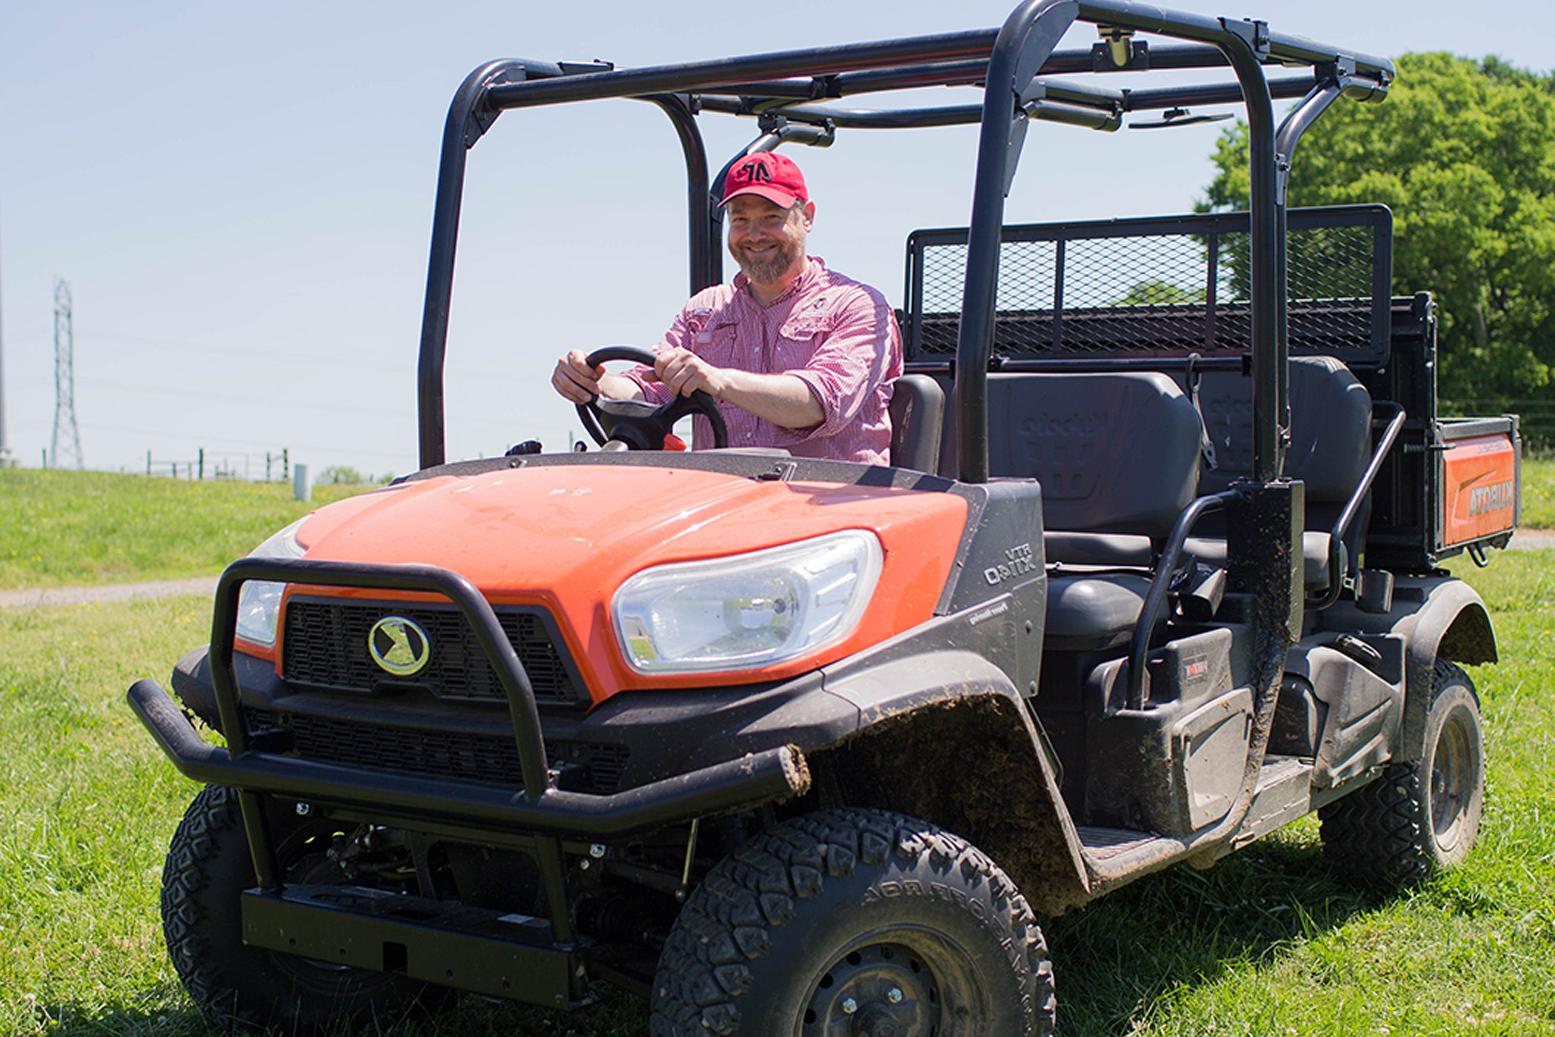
66 445
7 459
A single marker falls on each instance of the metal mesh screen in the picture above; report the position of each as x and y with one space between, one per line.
1160 287
325 646
444 754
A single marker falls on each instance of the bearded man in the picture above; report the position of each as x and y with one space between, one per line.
797 355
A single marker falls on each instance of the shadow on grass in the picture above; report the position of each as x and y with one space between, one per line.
168 1013
1184 928
1114 959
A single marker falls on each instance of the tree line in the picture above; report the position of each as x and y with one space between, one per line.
1463 153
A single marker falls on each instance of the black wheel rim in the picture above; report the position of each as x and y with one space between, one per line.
1454 778
898 983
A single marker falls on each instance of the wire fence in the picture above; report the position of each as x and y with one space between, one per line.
1536 417
271 466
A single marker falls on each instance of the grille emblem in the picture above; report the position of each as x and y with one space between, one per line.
399 646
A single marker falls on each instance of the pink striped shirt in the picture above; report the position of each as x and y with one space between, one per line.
834 334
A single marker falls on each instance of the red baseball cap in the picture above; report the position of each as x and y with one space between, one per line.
768 174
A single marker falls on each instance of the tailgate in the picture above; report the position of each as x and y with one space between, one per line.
1480 475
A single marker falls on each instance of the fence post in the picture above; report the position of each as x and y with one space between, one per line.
286 464
201 456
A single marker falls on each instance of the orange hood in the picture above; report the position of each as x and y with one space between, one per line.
567 536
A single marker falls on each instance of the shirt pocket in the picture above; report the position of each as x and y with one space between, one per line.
807 325
716 343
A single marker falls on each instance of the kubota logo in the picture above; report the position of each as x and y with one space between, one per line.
398 646
1496 497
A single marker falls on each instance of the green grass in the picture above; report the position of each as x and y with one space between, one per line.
1263 944
1539 492
64 528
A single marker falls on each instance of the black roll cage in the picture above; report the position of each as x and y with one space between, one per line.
790 95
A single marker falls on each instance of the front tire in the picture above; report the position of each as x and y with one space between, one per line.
1418 818
857 922
237 987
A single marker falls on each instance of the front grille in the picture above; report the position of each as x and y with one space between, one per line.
493 759
326 646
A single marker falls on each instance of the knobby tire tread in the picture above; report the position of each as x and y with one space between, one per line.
727 921
1377 834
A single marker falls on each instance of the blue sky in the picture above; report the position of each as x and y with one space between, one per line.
240 196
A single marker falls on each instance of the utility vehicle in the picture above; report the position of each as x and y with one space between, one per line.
804 747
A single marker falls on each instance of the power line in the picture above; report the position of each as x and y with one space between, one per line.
66 442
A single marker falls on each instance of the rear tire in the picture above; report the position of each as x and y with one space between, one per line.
237 987
858 922
1418 818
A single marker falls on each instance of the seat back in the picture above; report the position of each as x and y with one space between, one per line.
1115 453
1330 416
917 422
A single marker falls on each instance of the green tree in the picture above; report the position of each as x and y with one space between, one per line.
1155 292
1463 152
340 475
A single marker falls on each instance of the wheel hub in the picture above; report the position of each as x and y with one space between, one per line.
1451 781
883 990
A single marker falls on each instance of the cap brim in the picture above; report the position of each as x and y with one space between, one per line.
774 195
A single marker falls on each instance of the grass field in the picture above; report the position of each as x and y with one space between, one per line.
1539 492
63 528
1262 944
66 528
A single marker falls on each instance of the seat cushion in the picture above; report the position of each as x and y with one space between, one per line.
917 419
1093 611
1314 555
1110 549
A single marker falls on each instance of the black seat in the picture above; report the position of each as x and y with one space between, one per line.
1330 413
917 421
1118 459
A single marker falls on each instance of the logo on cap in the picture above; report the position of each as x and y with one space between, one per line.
771 176
754 172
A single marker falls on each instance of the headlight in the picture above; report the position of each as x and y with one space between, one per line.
749 610
259 602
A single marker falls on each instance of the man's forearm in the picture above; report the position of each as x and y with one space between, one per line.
619 387
779 398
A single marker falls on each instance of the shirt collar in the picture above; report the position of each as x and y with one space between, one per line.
812 270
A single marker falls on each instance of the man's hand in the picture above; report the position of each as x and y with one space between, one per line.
575 379
683 372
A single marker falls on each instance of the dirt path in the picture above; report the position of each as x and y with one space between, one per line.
41 596
1523 540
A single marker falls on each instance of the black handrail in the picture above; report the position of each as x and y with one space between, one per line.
1336 563
1160 586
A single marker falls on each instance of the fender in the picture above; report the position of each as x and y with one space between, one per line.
1438 617
945 735
1452 624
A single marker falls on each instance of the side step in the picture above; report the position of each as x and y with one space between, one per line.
1116 856
502 955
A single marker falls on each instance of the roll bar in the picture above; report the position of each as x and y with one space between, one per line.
1021 70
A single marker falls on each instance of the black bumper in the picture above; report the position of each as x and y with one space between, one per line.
753 780
531 959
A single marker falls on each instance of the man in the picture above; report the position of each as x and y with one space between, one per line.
797 355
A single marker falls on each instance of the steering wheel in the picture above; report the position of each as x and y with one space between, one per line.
638 424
